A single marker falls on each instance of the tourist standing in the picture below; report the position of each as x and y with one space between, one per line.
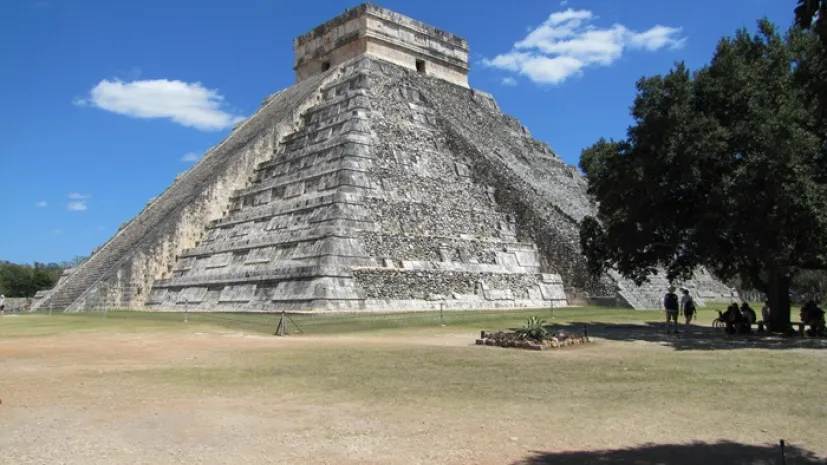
2 304
671 305
687 307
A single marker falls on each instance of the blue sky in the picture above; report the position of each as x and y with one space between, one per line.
105 102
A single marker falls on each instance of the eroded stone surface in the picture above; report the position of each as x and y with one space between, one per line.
370 186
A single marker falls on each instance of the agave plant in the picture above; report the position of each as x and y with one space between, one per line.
533 329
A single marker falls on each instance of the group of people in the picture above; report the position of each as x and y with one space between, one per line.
740 320
675 307
736 319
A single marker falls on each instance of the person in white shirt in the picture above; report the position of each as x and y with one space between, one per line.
765 313
2 304
687 307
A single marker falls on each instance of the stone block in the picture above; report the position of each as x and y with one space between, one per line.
463 170
219 260
238 293
191 295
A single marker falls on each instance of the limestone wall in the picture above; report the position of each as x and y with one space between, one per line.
19 303
383 34
363 206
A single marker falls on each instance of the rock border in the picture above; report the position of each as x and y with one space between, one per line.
511 340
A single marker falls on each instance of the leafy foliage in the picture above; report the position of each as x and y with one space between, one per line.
722 168
25 280
533 329
813 14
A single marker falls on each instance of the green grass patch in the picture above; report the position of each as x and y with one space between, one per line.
320 324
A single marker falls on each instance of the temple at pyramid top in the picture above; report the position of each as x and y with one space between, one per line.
371 30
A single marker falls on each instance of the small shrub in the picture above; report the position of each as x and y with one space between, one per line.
533 329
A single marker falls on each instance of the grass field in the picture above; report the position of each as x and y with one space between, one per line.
147 388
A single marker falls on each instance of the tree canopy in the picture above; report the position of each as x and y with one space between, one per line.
25 280
722 168
812 14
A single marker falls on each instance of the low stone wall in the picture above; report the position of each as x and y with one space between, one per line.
511 340
22 303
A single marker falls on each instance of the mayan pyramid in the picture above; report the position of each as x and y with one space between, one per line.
379 181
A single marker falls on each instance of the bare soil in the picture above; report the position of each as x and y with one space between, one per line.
225 397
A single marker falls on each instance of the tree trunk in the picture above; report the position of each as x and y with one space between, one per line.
778 287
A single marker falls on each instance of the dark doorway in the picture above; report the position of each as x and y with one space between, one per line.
325 66
420 66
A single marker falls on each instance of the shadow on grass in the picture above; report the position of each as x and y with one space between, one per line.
698 337
723 452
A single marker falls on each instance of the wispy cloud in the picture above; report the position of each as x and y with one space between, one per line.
509 81
564 3
78 202
76 206
567 43
190 157
42 204
188 104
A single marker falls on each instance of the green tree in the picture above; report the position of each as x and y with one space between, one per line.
812 14
721 168
25 280
16 280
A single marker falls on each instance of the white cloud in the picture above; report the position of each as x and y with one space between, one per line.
42 204
78 202
190 156
188 104
564 3
567 43
509 81
76 206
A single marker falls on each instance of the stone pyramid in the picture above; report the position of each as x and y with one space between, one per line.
379 181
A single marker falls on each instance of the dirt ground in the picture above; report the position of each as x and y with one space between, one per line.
104 398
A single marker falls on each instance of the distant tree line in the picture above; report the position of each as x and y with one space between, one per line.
24 280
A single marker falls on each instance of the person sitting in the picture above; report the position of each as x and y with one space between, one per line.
749 314
813 317
732 318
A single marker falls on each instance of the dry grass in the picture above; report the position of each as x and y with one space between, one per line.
141 390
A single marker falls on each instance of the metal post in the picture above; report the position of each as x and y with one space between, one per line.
186 315
441 316
783 455
282 324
